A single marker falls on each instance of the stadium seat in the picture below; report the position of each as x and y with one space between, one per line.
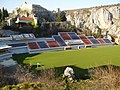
90 37
18 44
73 35
101 40
64 35
107 41
33 45
42 44
86 41
94 41
82 37
52 43
59 40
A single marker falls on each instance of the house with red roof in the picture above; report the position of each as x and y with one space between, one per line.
28 12
24 20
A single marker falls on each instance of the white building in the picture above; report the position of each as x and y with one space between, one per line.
33 11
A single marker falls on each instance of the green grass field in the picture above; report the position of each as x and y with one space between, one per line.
83 58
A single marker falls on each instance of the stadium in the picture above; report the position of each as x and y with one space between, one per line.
64 42
52 55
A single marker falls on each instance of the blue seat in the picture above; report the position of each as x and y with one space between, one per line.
42 44
18 44
94 41
59 40
107 40
73 35
90 37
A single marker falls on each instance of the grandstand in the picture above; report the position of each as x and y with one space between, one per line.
86 41
105 42
27 43
4 53
6 56
21 46
94 41
71 39
43 46
59 40
18 47
22 36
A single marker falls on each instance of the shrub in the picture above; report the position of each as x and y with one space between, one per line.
106 77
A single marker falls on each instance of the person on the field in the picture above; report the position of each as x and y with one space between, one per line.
68 72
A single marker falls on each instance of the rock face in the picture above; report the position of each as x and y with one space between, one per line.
33 10
105 18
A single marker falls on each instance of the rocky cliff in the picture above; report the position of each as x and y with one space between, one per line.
33 10
104 18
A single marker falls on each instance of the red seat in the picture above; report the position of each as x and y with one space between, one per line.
101 41
52 43
86 41
83 37
33 45
65 36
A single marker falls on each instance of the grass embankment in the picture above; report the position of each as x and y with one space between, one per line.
83 58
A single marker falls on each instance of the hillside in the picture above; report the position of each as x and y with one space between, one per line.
104 18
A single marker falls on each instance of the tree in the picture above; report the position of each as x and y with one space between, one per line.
6 13
63 16
3 13
59 16
36 26
0 14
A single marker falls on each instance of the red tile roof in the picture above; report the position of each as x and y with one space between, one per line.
25 18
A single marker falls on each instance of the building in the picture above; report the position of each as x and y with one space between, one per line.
33 11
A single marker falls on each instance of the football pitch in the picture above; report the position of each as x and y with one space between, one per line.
83 58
